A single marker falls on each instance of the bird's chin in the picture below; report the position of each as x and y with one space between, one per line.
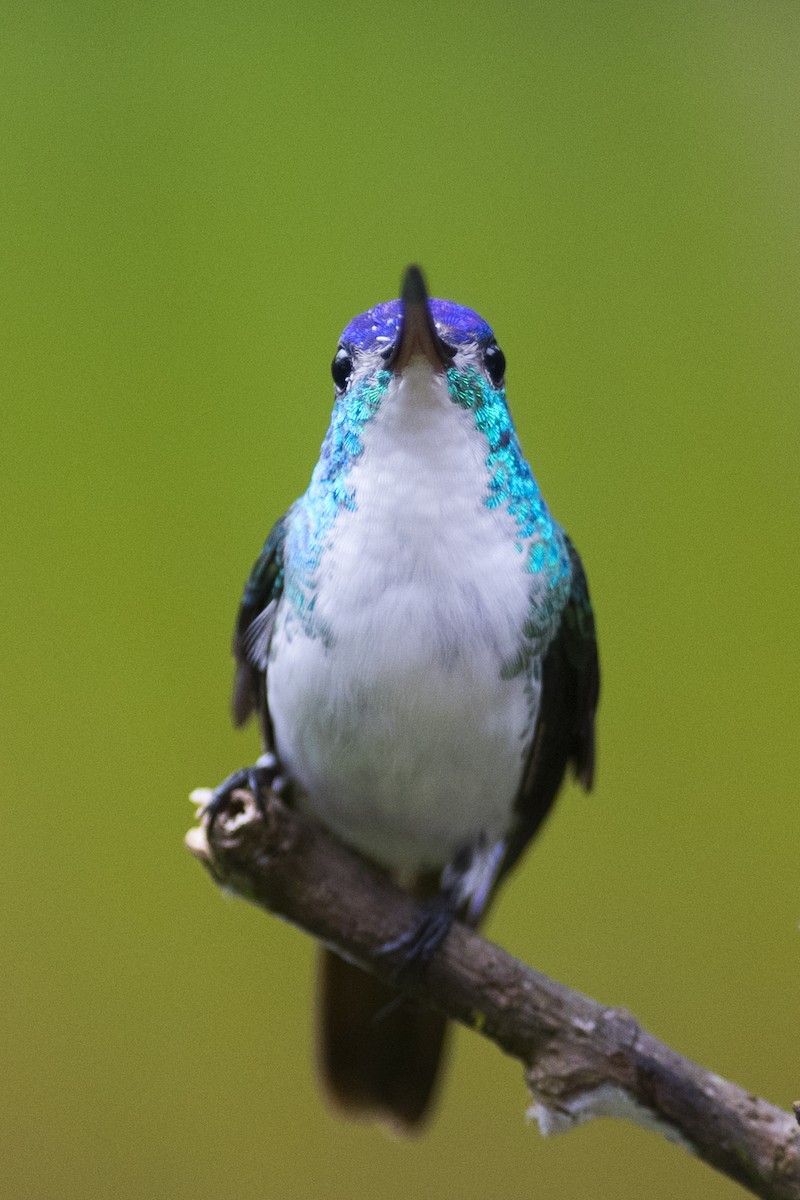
419 386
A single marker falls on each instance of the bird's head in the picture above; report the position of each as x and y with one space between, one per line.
419 350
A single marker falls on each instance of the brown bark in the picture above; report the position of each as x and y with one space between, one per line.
581 1058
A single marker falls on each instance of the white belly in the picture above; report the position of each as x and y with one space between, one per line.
398 726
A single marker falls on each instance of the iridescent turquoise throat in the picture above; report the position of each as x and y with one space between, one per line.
510 485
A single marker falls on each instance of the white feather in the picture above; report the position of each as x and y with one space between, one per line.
407 742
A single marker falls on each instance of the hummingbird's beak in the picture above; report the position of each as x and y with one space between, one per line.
418 336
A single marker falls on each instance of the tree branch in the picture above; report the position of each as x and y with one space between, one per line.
581 1058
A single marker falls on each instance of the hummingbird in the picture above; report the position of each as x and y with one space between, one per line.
417 641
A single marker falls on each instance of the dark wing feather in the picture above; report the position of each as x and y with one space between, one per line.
253 630
564 734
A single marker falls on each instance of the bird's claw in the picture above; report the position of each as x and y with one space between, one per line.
417 946
263 774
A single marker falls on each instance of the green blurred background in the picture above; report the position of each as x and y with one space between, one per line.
195 199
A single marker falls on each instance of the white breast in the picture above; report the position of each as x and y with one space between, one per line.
398 727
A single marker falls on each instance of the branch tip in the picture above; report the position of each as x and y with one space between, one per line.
582 1059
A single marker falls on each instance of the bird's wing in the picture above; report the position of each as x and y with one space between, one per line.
564 733
251 635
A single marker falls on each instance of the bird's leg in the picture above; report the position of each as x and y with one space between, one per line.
417 946
465 888
264 773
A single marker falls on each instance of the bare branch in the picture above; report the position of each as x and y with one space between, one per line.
581 1058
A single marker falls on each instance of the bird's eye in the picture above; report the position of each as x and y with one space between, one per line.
495 362
341 368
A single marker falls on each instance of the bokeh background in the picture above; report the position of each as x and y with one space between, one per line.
195 199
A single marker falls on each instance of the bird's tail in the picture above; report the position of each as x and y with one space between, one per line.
379 1057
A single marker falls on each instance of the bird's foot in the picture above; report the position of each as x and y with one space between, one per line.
415 948
263 774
